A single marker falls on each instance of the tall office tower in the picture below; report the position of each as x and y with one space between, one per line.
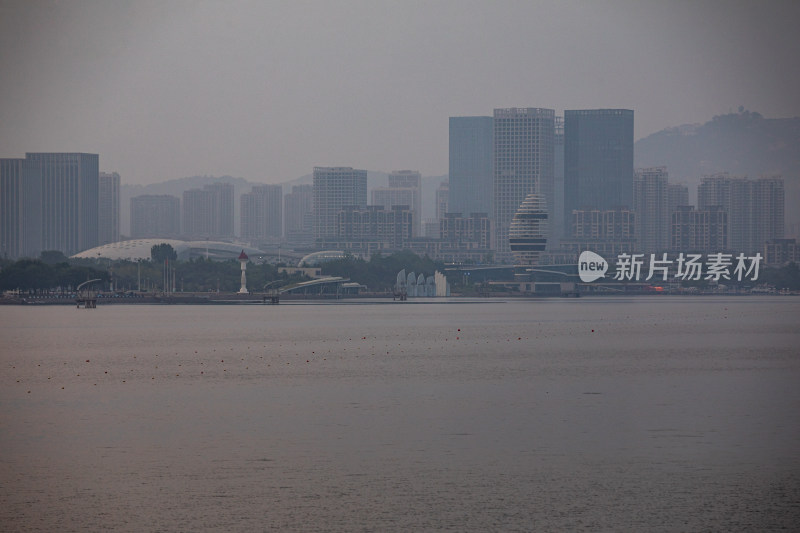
704 230
470 171
598 159
335 188
155 216
69 200
20 208
261 213
755 208
559 231
208 212
410 179
298 215
651 204
108 208
523 165
442 199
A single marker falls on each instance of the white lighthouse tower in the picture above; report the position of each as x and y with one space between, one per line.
243 260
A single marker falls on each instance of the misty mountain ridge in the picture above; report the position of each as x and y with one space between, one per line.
743 144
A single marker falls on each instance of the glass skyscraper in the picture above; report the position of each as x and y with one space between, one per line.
598 159
470 172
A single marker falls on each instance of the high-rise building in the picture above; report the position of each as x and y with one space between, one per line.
557 221
223 203
442 199
458 230
755 208
611 224
598 159
108 208
778 252
651 203
392 228
523 164
607 232
20 208
261 213
704 230
389 197
430 228
199 214
470 170
409 179
208 212
69 200
298 214
335 188
677 195
155 216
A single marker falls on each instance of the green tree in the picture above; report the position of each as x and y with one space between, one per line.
51 257
785 277
380 272
35 275
162 252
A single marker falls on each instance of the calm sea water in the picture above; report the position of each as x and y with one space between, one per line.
641 414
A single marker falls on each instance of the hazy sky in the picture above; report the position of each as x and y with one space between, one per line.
266 90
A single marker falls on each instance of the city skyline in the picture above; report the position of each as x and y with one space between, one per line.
124 80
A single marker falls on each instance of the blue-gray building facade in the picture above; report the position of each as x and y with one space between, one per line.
598 160
470 170
69 200
20 208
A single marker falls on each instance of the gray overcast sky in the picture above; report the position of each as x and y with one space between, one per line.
267 90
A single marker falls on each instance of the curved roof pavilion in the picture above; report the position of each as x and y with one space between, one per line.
317 258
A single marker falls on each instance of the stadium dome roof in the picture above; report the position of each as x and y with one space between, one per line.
135 249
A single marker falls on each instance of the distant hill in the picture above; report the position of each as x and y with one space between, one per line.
743 143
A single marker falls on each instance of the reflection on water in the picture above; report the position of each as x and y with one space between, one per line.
610 414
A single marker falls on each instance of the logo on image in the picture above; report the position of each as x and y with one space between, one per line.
591 266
